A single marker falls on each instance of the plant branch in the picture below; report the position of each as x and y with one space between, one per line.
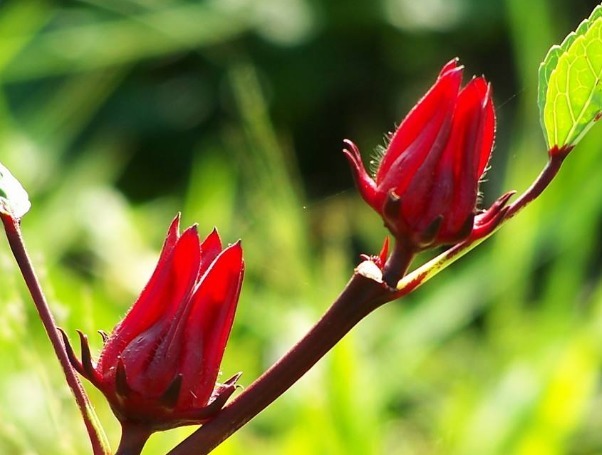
360 297
98 440
398 263
133 439
541 183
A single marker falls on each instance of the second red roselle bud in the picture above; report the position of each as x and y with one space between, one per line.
159 367
426 185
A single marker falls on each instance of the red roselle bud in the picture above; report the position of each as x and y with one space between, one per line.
158 369
426 184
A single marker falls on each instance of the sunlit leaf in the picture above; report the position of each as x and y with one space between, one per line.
13 197
570 95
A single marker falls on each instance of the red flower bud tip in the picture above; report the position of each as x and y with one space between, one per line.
160 365
426 185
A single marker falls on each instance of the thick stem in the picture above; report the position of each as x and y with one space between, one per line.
13 233
398 263
133 439
360 297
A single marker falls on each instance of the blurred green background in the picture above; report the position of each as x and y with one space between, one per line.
116 114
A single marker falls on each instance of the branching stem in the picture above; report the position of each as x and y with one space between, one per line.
133 439
359 298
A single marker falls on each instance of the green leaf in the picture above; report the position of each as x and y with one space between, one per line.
13 197
570 93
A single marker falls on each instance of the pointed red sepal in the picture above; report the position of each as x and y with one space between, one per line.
219 398
75 362
384 253
201 415
170 284
232 381
427 237
85 367
485 223
381 259
170 397
122 388
88 366
211 316
211 247
104 335
391 214
422 134
364 182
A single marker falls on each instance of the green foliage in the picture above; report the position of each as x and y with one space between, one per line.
570 94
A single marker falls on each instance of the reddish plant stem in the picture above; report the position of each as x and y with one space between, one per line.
133 439
17 246
359 298
398 263
426 271
541 183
